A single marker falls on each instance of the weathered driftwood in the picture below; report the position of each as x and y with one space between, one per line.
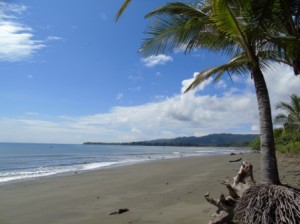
120 211
235 160
226 205
242 181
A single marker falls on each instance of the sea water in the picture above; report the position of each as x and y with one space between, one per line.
20 161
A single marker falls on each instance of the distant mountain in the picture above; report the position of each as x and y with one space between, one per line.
208 140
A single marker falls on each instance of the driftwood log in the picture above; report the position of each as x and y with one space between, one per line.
226 204
235 160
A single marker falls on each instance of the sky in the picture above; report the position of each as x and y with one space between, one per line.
70 74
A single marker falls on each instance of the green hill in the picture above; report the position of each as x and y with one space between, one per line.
208 140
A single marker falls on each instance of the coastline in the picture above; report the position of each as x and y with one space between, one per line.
46 160
163 191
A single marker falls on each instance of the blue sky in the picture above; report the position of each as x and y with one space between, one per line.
70 74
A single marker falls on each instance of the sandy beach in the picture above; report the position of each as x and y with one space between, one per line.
166 191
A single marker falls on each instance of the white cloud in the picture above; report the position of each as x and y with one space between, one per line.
53 38
186 83
32 113
8 10
135 78
152 61
281 83
16 39
136 89
180 49
255 128
221 84
119 96
180 115
187 114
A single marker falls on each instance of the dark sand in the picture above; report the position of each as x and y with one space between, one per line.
166 191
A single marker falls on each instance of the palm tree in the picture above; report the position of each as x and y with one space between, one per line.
284 16
226 27
290 118
231 27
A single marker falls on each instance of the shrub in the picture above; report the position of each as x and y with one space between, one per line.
255 144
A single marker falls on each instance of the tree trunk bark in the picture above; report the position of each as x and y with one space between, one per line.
268 163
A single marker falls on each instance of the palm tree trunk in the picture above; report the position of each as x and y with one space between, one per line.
268 163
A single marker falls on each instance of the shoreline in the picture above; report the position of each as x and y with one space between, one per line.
163 191
53 171
117 165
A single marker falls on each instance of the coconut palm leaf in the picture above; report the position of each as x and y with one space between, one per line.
291 116
285 106
281 119
175 25
178 25
237 65
227 19
284 19
180 8
122 9
263 9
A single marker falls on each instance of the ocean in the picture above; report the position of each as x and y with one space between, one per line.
19 162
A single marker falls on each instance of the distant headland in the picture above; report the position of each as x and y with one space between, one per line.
217 140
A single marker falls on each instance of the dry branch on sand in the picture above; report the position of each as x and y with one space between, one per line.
248 203
241 182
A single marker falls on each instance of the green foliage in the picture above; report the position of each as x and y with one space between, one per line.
255 144
290 115
292 147
285 142
278 132
287 139
288 142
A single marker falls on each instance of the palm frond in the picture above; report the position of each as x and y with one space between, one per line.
285 106
178 24
227 20
234 19
175 25
291 116
271 56
238 65
280 119
122 9
295 101
280 23
180 8
263 10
